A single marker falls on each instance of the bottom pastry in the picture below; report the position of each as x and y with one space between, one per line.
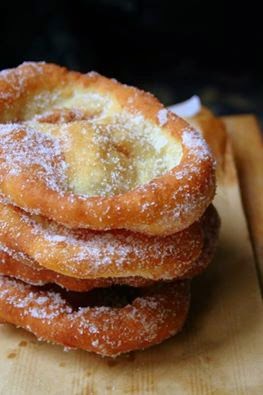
108 322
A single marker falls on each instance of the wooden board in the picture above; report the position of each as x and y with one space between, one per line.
219 352
248 151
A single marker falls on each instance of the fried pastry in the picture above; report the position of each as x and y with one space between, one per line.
89 152
29 271
88 254
156 314
105 210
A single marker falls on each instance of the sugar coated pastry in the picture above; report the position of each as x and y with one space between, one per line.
106 210
89 152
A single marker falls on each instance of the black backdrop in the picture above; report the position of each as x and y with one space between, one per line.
172 48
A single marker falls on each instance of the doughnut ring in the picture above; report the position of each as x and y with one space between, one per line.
89 254
22 268
71 149
156 314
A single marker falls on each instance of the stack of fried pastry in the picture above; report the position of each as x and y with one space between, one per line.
105 210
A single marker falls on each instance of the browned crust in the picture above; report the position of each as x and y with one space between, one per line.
81 254
156 315
31 272
37 275
164 206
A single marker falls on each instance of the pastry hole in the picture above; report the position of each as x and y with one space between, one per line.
115 296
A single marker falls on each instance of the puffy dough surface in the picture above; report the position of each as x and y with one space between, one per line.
87 254
89 152
20 266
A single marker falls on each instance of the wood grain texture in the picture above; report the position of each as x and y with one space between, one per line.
248 150
219 352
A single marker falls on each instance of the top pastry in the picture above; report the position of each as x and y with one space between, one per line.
89 152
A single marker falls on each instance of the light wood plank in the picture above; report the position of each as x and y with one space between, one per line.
248 151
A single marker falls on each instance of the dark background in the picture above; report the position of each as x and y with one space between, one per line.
171 48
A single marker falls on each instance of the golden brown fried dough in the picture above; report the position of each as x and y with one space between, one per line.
157 314
89 152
